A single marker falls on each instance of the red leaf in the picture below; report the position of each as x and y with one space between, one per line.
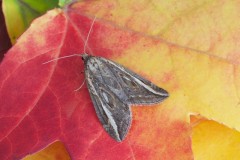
39 105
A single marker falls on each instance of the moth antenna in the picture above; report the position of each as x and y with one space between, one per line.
84 49
72 55
80 86
85 45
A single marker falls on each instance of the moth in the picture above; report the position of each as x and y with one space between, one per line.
113 89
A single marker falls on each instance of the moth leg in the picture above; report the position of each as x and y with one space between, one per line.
81 85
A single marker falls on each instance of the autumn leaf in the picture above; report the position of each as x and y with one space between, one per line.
212 140
39 100
56 151
45 106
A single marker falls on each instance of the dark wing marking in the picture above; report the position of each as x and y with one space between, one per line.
114 114
137 89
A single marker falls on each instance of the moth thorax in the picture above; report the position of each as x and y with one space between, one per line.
85 56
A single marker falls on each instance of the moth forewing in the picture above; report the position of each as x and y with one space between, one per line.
113 88
114 114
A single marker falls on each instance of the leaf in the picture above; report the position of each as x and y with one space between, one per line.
20 13
48 109
212 140
55 151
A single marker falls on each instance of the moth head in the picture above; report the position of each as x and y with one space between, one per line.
84 56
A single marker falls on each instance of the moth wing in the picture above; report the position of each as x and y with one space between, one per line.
137 89
114 114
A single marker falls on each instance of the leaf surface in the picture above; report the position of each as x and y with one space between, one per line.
212 140
208 27
41 101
